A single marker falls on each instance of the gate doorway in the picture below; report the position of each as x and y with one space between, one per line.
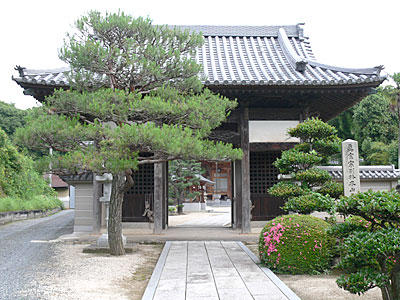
212 207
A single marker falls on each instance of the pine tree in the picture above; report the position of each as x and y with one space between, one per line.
135 90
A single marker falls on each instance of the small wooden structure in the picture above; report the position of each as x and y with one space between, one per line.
272 72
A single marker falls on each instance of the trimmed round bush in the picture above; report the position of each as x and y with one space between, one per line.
296 244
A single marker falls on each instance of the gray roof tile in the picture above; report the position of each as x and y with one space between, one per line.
366 172
250 55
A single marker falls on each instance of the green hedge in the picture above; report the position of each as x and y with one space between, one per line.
21 186
34 203
296 244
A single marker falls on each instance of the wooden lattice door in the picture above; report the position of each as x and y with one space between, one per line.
263 175
142 191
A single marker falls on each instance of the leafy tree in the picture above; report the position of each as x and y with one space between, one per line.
134 91
308 188
373 119
344 124
378 153
18 177
393 94
183 174
371 252
11 117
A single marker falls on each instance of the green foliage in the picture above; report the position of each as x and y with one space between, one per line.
381 208
183 174
370 247
296 244
135 98
344 124
286 190
36 202
310 202
18 178
378 153
331 188
135 90
308 188
373 253
11 118
374 119
313 176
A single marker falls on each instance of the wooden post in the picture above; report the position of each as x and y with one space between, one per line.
237 169
158 197
245 145
165 194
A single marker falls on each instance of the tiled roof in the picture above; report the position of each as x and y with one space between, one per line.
84 177
249 55
57 182
366 172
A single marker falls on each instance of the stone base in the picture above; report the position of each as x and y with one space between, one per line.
93 248
102 241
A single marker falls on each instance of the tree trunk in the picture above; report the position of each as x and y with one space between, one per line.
180 202
395 286
115 215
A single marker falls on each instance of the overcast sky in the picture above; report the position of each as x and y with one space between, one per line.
347 33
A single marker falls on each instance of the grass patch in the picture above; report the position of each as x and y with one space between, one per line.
34 203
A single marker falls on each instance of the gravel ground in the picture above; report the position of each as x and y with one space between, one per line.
74 275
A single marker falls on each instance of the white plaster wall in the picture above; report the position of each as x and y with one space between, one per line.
271 131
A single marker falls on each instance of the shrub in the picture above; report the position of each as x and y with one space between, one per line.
307 188
34 203
370 243
296 244
18 178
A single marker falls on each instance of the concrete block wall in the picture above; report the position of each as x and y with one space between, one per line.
83 207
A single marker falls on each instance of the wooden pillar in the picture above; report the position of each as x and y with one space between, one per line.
158 197
165 195
237 169
245 166
96 204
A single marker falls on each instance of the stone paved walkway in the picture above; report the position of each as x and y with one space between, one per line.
212 270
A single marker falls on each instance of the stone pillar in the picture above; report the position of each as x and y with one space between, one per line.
245 166
158 197
350 167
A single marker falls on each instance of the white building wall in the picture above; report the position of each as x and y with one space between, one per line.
271 131
83 207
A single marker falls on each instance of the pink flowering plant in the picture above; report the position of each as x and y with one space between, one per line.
296 244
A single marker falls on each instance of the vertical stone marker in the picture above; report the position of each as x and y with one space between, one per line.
350 162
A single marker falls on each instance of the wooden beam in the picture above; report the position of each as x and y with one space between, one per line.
158 197
245 166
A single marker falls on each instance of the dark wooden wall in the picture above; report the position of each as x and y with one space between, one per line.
263 175
142 190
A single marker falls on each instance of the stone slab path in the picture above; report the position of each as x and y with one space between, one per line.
213 270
